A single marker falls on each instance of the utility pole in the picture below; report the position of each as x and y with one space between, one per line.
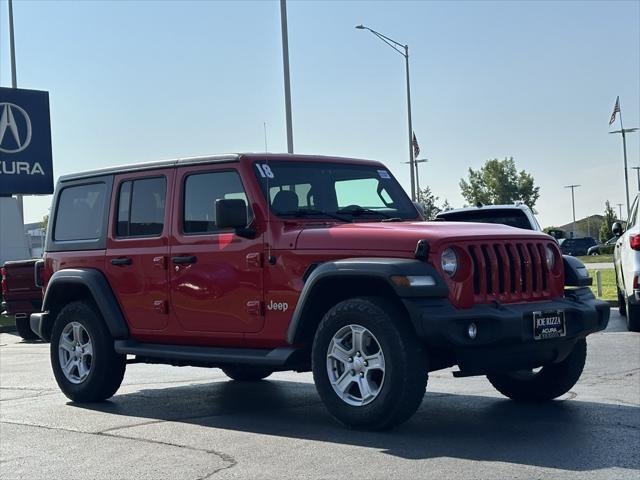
573 207
287 81
14 84
637 169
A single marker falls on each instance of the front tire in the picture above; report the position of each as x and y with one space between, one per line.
83 358
368 366
24 329
246 373
550 382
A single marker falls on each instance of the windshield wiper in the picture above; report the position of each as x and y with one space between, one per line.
303 212
358 211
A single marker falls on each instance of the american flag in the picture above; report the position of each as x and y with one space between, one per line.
416 147
616 109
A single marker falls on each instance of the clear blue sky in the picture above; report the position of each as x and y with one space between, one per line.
136 81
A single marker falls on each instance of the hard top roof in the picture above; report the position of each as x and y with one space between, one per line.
223 158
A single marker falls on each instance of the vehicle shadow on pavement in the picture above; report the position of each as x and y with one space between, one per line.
568 435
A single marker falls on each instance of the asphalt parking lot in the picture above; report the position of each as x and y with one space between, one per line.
192 423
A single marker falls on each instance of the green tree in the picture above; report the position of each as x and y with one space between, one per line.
498 182
427 201
607 222
45 222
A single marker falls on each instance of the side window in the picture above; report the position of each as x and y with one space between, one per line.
141 206
80 212
201 190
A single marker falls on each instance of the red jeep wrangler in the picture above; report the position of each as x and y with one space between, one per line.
257 263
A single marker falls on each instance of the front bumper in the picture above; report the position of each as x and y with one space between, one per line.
505 338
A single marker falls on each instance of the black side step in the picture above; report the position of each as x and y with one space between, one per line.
207 356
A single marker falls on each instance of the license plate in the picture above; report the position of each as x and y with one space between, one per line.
549 324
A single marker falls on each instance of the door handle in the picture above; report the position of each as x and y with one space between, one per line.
184 260
121 261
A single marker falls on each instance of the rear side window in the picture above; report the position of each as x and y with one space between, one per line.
141 205
201 190
80 212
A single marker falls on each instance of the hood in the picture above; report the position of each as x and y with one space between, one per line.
403 236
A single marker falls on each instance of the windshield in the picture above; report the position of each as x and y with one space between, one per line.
514 217
344 192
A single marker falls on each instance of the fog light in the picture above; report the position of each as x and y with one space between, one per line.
472 331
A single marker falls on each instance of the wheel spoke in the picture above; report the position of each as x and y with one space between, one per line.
77 333
69 366
83 371
87 349
339 353
65 344
342 384
365 389
357 334
375 361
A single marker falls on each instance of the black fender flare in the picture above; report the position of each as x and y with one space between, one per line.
575 273
379 268
100 290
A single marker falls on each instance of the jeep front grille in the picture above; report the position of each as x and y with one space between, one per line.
509 272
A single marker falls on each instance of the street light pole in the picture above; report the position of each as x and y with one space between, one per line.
573 207
397 46
637 169
287 81
619 210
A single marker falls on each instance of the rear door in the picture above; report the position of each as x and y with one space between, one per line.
138 247
216 275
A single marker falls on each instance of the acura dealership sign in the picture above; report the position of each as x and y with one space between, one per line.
26 165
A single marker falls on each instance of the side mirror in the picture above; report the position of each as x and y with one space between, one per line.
617 229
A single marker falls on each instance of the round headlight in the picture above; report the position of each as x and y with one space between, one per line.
551 257
449 262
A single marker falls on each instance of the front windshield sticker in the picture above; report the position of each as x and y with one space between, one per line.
383 174
265 171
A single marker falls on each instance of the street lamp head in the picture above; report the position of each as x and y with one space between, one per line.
361 27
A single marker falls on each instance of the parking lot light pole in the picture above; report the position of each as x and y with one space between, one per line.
404 51
573 207
637 169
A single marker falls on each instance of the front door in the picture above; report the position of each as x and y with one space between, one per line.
216 276
138 247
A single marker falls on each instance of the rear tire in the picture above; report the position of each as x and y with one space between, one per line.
622 304
368 366
84 362
633 316
550 382
246 373
24 329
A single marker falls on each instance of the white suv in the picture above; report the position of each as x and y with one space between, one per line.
515 215
626 260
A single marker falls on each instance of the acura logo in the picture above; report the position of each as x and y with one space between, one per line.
14 138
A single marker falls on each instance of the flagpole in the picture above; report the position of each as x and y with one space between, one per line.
14 84
626 170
